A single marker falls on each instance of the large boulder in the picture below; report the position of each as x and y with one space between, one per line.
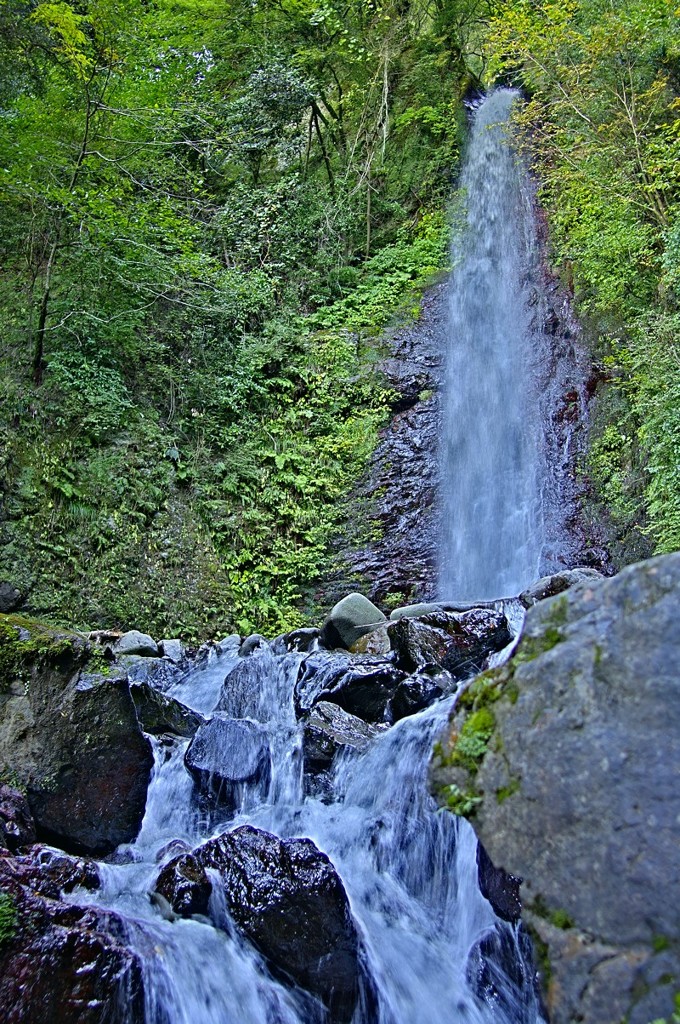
60 961
549 586
328 730
69 735
158 713
286 897
458 641
225 756
566 759
361 685
350 619
184 884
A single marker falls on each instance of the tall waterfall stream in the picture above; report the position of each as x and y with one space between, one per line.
433 950
494 468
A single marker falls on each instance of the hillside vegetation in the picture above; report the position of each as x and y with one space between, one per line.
210 211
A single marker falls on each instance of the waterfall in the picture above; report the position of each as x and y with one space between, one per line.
492 459
433 949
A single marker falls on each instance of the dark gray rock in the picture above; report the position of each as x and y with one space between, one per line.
185 885
158 713
227 754
418 692
287 899
351 618
134 642
549 586
302 640
10 597
252 644
460 642
64 962
71 738
327 730
579 792
172 649
16 822
362 685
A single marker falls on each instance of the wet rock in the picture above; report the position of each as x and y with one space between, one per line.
377 642
329 729
172 649
134 642
348 620
227 754
252 644
287 899
576 790
499 887
361 686
302 640
72 739
158 713
458 641
549 586
172 849
410 611
185 885
418 692
63 962
50 872
16 822
10 597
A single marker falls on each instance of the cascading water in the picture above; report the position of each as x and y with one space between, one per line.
433 949
493 465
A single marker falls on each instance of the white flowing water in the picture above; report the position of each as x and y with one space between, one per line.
430 939
493 465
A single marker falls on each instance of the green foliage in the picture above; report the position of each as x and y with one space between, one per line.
205 222
462 803
602 126
9 918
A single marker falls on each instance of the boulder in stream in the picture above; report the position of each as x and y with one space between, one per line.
458 641
159 713
549 586
69 736
60 961
285 896
185 885
327 730
566 760
227 754
361 685
350 619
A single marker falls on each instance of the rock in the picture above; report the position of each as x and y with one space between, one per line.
549 586
63 962
10 597
348 620
302 640
362 686
416 693
328 730
377 642
252 644
414 610
172 649
576 788
134 642
16 822
158 713
498 887
51 873
71 739
460 642
225 756
287 899
185 885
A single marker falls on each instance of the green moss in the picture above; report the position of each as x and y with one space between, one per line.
552 633
660 943
504 792
9 918
473 739
25 642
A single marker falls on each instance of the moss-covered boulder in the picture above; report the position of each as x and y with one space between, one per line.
70 737
566 760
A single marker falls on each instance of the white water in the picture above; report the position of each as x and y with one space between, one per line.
493 466
409 870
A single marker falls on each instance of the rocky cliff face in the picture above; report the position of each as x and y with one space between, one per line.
567 762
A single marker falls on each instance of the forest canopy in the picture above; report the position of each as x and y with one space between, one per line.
209 212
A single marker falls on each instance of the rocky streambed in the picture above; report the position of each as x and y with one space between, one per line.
244 832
